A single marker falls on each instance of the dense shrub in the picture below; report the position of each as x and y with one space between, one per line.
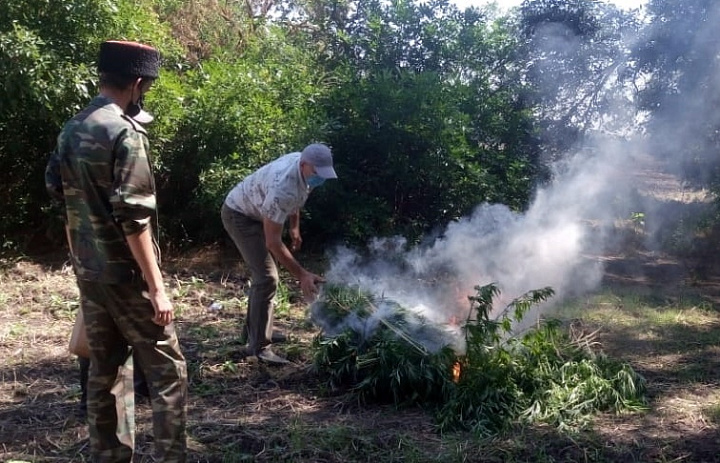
421 133
47 55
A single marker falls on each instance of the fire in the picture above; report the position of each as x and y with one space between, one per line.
456 370
460 296
454 322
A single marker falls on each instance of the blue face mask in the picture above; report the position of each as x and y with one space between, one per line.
315 181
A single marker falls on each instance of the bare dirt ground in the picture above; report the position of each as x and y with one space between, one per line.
242 410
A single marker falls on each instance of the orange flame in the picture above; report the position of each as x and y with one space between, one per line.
456 370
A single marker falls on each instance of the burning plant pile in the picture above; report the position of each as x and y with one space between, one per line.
384 352
380 349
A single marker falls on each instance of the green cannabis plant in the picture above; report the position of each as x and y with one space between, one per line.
381 351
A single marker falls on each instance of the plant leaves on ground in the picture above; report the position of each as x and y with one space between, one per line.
380 351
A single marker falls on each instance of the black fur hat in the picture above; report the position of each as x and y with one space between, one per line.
129 59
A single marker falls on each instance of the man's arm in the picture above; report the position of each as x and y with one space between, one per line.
273 241
295 237
133 203
141 246
54 186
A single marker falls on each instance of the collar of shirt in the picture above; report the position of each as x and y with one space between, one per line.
302 181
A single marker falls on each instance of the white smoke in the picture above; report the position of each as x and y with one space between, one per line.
555 242
552 244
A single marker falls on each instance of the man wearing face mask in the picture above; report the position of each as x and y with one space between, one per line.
100 175
254 214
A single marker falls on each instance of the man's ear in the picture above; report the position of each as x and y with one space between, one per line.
135 89
145 83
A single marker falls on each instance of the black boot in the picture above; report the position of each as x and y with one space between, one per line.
84 371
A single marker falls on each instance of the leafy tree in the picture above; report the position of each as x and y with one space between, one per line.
574 56
428 119
45 49
237 115
430 110
47 55
214 28
676 64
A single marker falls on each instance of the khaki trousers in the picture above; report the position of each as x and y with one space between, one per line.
249 238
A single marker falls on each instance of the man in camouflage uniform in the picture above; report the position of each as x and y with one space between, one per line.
101 173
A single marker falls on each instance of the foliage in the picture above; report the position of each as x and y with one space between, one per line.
422 130
47 51
209 29
138 20
426 132
430 110
42 48
398 160
504 378
677 62
385 352
573 54
542 376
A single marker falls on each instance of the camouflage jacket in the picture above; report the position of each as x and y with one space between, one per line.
100 174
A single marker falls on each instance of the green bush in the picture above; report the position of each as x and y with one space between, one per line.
382 351
425 132
47 55
46 78
421 134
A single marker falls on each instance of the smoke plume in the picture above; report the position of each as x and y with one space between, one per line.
557 241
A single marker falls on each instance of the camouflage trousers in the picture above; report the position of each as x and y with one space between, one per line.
116 317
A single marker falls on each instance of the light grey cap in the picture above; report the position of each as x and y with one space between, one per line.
320 157
143 117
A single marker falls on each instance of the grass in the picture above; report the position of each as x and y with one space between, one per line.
245 411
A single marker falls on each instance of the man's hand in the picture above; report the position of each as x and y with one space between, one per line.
308 285
142 247
296 239
163 308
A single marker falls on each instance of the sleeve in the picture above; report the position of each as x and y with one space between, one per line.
133 191
54 186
